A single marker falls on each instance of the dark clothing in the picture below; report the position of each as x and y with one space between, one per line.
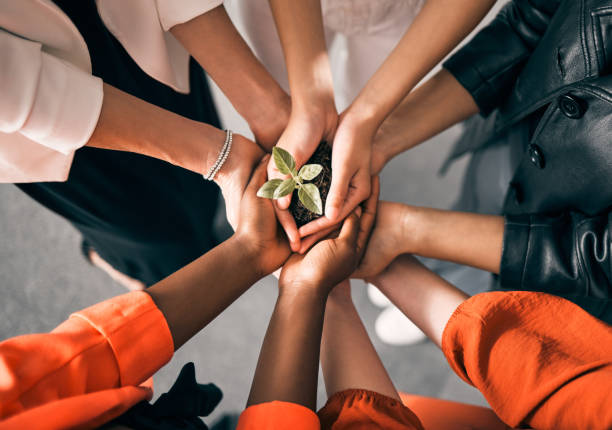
543 65
147 218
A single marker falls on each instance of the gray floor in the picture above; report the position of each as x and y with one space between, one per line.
43 278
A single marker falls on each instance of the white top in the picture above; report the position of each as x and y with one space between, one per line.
50 102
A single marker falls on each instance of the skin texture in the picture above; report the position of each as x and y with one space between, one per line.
313 112
465 238
428 300
191 298
213 41
288 363
417 52
346 349
128 123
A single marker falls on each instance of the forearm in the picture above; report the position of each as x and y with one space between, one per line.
130 124
424 297
288 364
428 110
348 358
466 238
300 27
192 297
419 50
215 43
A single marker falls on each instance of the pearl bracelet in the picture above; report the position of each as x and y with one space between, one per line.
227 146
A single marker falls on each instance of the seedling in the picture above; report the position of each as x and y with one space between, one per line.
307 193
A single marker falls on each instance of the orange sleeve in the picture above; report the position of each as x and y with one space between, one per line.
112 344
362 409
539 360
278 416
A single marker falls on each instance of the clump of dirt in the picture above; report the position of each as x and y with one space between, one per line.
321 156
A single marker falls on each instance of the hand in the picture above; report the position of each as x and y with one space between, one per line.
306 129
272 119
351 163
390 238
332 260
258 229
235 174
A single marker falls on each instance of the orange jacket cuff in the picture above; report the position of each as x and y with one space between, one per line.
137 332
278 415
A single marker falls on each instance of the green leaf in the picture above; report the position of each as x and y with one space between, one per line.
310 198
285 188
310 171
283 160
267 189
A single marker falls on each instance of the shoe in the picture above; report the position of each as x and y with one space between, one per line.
377 297
394 328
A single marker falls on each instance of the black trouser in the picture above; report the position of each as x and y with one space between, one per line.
145 217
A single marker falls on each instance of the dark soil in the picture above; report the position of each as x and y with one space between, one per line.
321 156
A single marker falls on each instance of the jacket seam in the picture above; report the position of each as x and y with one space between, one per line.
587 56
526 257
581 263
70 360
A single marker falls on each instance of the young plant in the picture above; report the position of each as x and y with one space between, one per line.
307 193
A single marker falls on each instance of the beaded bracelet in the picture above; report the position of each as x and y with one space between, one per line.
227 146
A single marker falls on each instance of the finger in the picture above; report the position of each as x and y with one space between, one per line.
368 218
341 179
307 242
258 178
287 221
350 230
313 227
355 196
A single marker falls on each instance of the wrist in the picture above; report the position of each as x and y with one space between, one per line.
412 228
249 255
302 293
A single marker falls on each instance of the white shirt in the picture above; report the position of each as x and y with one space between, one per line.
49 101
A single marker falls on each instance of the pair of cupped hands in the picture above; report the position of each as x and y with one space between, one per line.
334 258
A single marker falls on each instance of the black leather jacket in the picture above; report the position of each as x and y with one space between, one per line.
551 60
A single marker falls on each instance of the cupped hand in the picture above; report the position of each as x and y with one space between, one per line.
258 229
351 167
235 174
333 259
306 129
387 242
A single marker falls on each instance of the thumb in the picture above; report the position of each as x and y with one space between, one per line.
337 193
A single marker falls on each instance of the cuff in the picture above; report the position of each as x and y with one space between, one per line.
66 106
278 415
172 13
359 408
517 231
137 332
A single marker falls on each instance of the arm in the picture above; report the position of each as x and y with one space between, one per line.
418 51
123 341
490 63
424 297
465 238
127 123
313 111
288 363
493 340
213 41
434 106
346 349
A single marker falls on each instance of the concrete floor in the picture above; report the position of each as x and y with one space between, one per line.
43 278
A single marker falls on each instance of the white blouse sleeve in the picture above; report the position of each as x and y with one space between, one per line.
172 12
45 99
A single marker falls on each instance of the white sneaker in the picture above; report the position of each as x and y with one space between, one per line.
377 297
394 328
